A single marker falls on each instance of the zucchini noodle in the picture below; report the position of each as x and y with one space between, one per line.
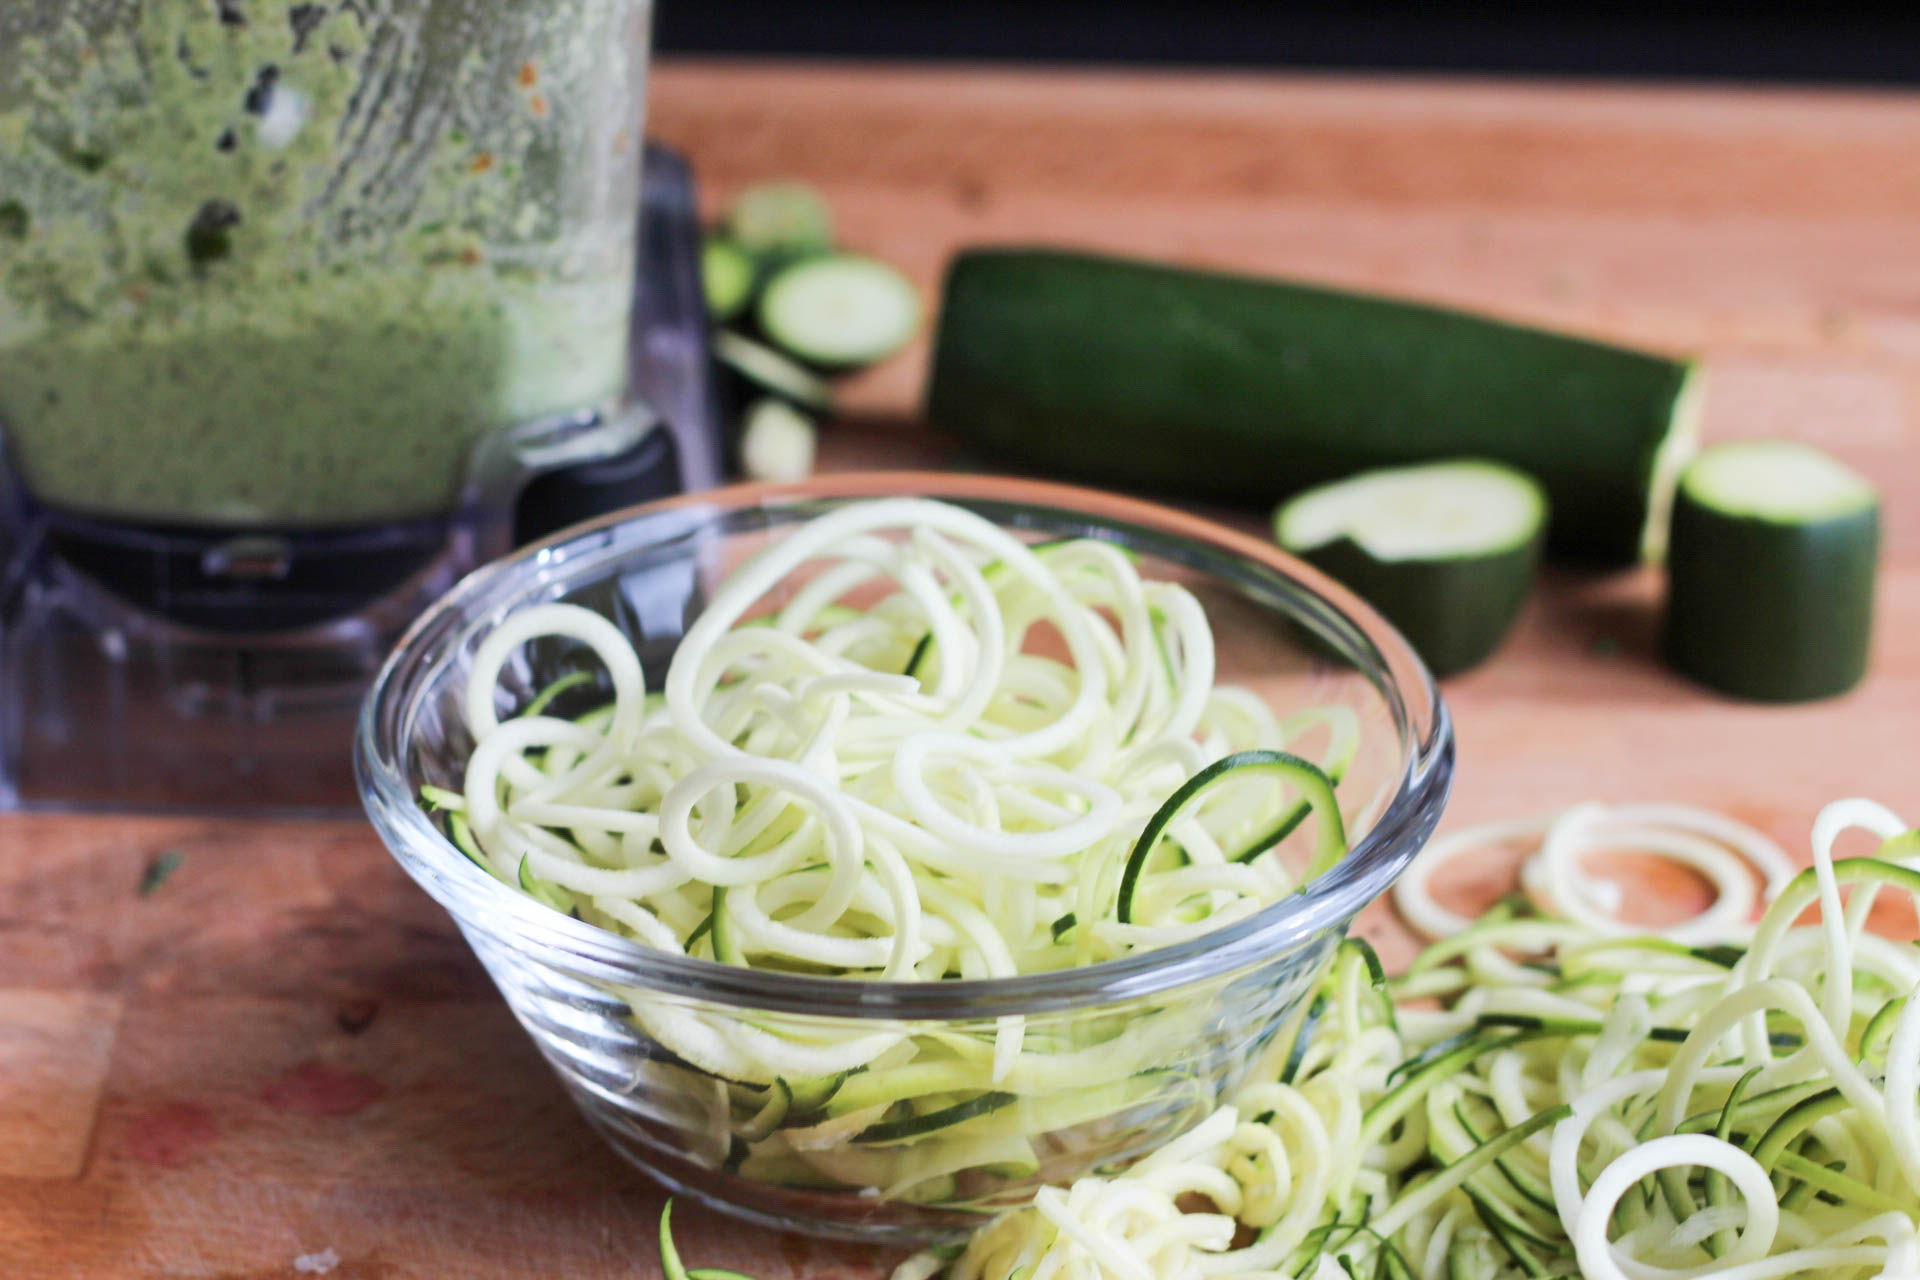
1581 1101
901 744
1555 878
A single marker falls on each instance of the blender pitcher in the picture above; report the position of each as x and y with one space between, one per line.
294 300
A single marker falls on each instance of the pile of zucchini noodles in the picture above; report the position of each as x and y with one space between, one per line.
1555 878
1543 1097
900 743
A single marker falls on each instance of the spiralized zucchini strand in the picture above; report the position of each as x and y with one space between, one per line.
1741 1107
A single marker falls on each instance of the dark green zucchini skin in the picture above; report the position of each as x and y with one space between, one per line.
1766 610
1219 386
1455 613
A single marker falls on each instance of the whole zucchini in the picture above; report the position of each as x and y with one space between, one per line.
1220 386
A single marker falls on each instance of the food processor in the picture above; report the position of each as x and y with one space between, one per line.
306 310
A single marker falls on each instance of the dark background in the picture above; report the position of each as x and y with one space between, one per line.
1819 43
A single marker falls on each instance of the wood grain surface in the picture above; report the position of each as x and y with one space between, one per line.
285 1052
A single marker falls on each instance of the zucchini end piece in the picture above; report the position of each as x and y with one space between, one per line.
1771 573
1446 551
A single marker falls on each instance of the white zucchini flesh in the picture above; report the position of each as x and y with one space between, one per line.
1436 512
840 310
1778 480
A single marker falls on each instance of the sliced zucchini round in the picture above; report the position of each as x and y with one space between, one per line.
777 442
780 219
726 277
840 310
1770 572
772 372
1446 551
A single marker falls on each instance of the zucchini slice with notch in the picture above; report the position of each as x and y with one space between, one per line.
1446 551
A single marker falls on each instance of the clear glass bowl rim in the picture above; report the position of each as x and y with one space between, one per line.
478 900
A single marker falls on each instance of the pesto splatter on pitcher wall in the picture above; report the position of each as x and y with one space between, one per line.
270 263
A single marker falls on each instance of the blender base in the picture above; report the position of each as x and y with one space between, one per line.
107 705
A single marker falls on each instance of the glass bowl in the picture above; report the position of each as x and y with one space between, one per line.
1119 1056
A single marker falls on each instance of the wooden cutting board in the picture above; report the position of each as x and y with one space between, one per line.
286 1052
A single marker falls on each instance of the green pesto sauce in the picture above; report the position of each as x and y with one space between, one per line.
271 263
